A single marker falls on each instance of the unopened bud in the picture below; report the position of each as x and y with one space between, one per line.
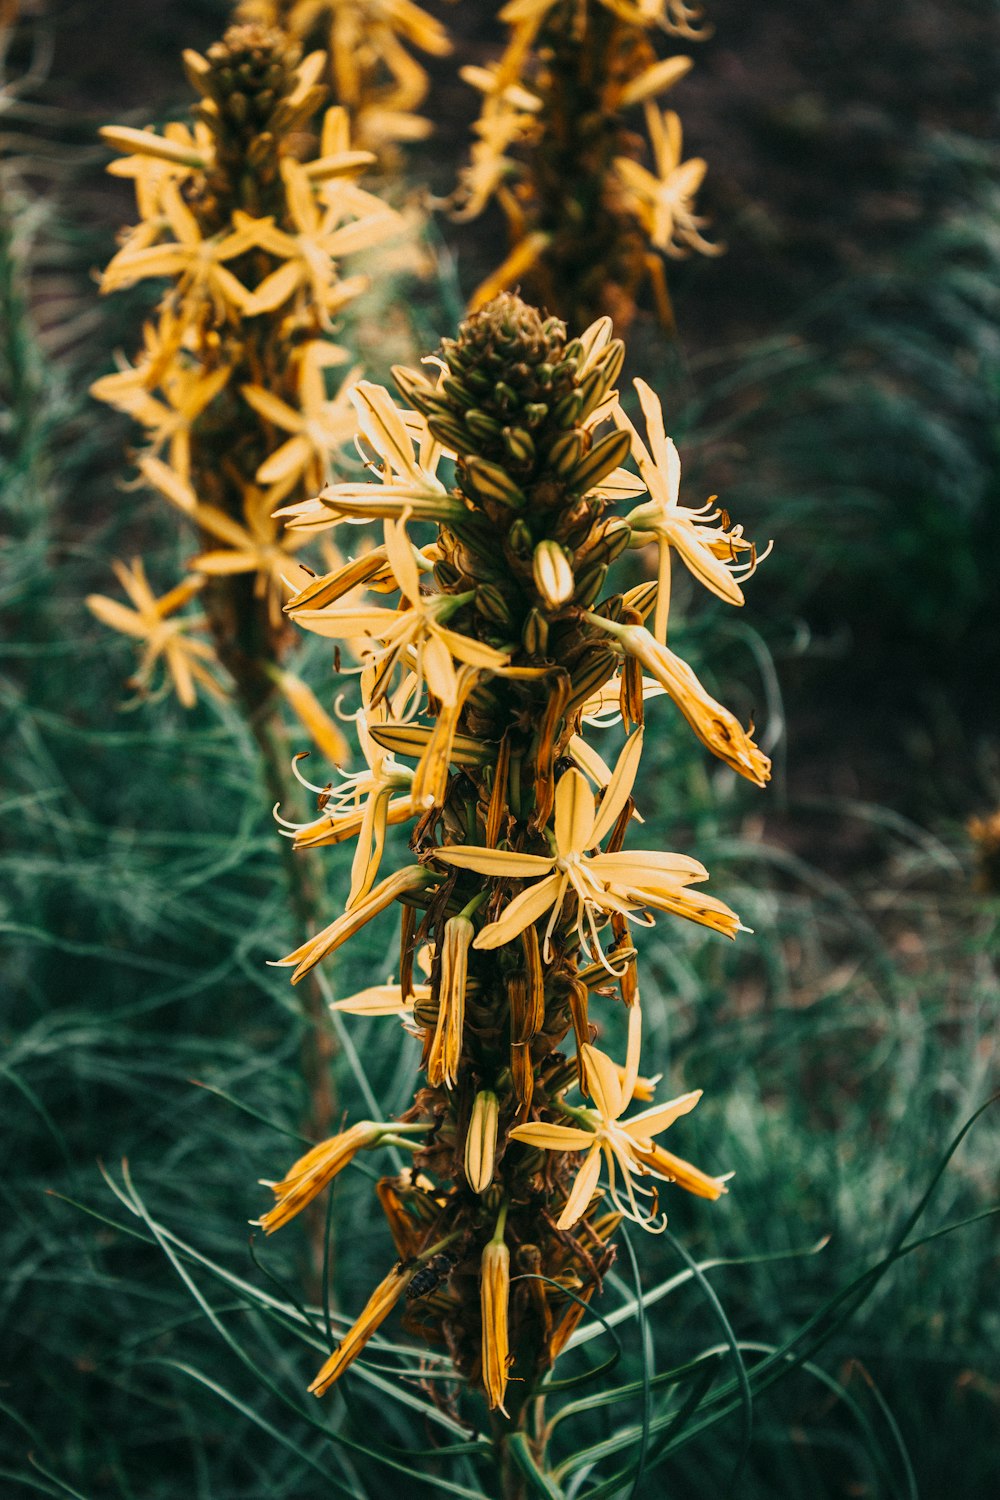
589 584
519 444
482 426
553 574
481 1141
602 458
491 603
519 538
523 1077
568 411
494 1299
565 453
535 634
490 482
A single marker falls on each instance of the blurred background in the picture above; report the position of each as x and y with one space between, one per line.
836 380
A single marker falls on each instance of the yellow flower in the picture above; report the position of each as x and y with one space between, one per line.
310 953
308 1176
197 263
509 116
416 635
188 391
259 546
377 1309
709 553
317 429
321 238
602 883
494 1298
361 805
718 730
153 160
365 46
626 1145
149 621
663 199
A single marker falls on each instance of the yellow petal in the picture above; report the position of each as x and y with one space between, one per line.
381 1000
656 79
276 288
650 1122
582 1191
553 1137
498 862
110 612
642 866
618 790
269 406
522 911
692 1179
384 428
601 1082
574 814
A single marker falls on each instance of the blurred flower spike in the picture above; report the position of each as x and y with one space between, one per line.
232 386
589 222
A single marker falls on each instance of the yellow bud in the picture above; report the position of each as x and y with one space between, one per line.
552 573
481 1141
494 1298
380 1304
446 1048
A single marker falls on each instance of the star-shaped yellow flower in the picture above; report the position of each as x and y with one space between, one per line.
259 544
188 391
317 430
197 263
322 235
626 1145
163 638
416 636
152 160
711 553
602 883
663 198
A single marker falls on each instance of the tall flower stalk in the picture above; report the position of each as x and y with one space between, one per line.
497 488
592 211
247 224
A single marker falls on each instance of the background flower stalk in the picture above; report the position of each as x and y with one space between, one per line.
246 215
589 223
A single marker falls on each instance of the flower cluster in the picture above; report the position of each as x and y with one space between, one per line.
496 487
374 73
231 386
589 223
